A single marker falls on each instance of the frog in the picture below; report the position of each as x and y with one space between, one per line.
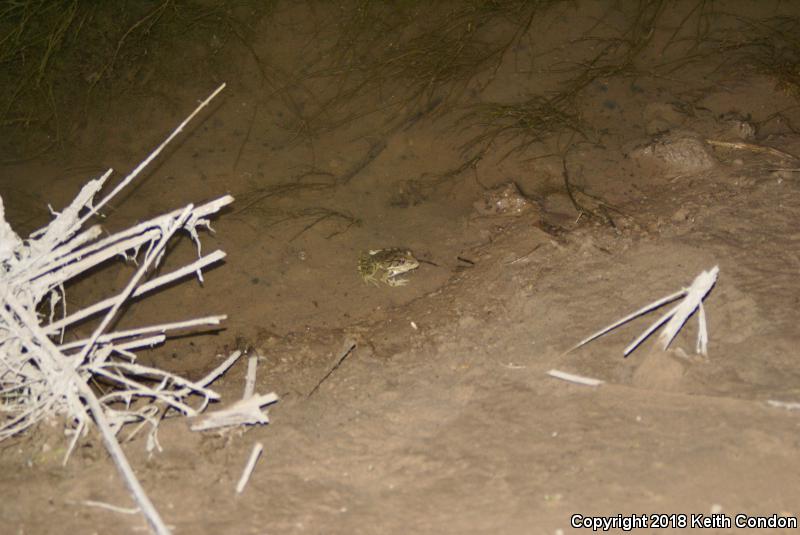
384 265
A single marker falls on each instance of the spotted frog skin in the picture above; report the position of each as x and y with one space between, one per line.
384 265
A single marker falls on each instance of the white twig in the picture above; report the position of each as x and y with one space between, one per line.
650 330
149 341
788 405
572 378
250 379
243 412
644 310
110 507
248 469
695 294
139 168
160 328
675 318
219 370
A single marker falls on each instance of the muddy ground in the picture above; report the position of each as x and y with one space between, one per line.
443 419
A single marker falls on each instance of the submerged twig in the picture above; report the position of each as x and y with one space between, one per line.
761 149
348 349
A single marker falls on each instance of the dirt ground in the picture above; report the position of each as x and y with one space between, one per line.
443 418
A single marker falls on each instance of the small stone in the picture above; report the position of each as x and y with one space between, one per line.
680 215
505 200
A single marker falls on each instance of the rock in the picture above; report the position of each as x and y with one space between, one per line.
680 215
504 200
677 153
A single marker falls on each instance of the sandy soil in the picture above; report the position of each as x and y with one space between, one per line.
443 419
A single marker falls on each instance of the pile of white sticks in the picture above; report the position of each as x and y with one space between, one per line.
42 376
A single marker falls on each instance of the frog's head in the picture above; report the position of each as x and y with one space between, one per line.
404 261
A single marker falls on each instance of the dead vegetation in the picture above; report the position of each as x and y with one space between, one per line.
56 54
59 59
773 46
409 54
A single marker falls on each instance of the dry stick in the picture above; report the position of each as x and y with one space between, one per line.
10 428
48 360
146 371
55 230
691 300
250 378
350 347
140 290
695 294
205 381
572 378
243 412
149 341
248 469
116 335
137 390
788 405
150 158
216 372
651 329
629 317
